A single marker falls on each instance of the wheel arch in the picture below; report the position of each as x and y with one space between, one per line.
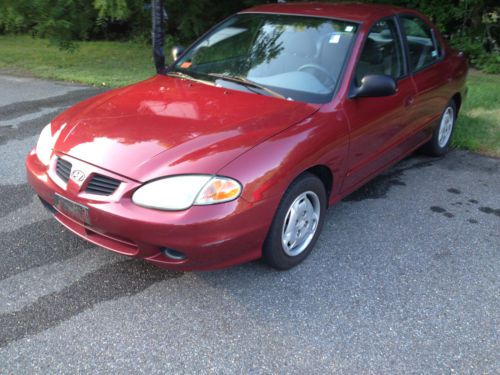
318 147
325 174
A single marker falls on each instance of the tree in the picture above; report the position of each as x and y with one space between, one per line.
471 25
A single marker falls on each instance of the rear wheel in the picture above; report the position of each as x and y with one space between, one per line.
441 138
297 223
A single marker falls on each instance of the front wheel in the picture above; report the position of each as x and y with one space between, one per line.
441 138
297 223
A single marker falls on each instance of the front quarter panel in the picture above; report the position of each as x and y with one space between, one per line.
269 168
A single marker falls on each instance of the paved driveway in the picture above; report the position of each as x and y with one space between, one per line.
404 279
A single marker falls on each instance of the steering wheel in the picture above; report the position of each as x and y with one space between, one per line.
328 82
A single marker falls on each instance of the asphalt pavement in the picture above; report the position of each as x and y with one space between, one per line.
405 279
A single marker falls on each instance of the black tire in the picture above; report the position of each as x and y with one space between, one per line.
273 250
433 147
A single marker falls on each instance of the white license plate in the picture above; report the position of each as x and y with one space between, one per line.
72 209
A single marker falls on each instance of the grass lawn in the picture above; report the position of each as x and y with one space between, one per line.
120 63
96 63
478 126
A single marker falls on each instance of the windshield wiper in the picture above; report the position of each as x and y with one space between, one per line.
246 82
188 76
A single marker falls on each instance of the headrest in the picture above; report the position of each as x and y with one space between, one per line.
372 54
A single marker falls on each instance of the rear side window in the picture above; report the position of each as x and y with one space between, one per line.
421 42
382 52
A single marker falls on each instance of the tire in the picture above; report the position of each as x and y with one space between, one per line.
306 194
442 135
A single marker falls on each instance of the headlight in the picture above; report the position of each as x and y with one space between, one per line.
181 192
44 145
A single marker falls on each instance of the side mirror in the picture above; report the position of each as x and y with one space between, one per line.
177 51
374 86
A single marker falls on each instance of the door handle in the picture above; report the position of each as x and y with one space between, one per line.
409 101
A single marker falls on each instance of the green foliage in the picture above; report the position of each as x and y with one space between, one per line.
478 125
112 9
62 21
472 25
473 47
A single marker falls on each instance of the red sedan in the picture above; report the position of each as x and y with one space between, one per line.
236 150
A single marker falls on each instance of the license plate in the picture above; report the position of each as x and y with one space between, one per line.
72 209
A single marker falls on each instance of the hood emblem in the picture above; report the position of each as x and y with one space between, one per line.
78 176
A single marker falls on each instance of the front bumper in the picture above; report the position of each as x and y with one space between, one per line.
210 237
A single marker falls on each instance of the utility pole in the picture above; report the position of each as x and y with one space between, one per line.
158 18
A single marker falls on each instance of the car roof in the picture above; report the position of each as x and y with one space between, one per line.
357 12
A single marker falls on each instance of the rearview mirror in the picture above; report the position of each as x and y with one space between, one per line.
375 86
176 52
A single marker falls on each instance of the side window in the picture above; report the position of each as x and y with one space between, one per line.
421 43
382 52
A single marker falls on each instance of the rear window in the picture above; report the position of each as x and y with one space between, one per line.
422 46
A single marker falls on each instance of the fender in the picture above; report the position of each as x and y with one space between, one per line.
269 168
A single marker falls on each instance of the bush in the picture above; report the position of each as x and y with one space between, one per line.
473 47
469 23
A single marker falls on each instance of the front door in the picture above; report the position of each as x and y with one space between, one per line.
378 124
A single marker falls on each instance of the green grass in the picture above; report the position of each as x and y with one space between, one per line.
96 63
478 126
120 63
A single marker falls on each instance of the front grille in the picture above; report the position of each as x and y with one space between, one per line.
63 169
102 185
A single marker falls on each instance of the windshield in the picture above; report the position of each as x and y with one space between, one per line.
295 57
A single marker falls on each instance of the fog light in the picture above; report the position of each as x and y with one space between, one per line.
173 254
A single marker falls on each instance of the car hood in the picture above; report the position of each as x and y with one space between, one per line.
165 126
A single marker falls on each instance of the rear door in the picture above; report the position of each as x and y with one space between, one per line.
378 125
430 73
